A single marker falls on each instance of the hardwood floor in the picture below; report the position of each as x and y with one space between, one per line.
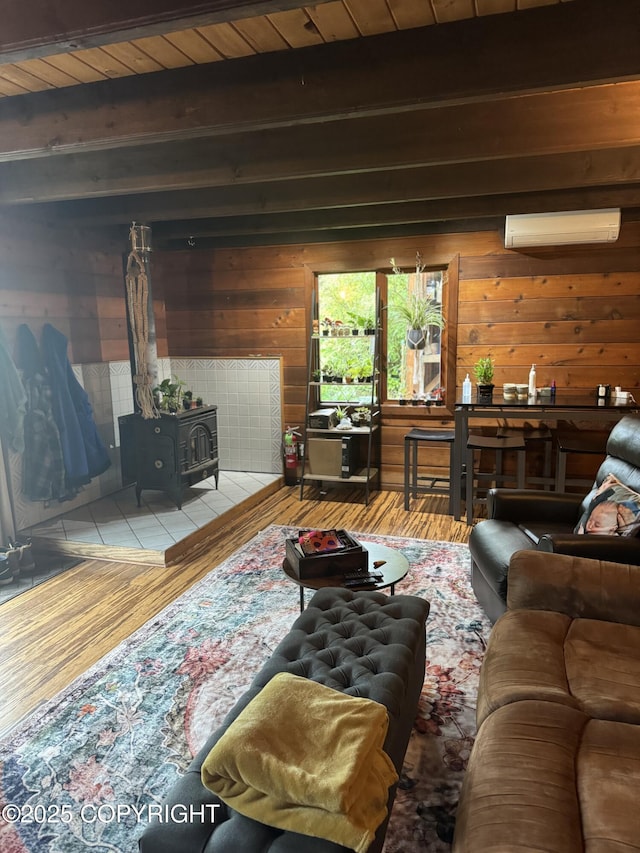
54 632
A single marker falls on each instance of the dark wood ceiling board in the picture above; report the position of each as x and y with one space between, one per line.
371 16
333 21
163 51
133 57
45 71
76 68
23 79
407 13
81 24
8 88
193 45
452 10
261 34
296 28
378 74
226 40
103 62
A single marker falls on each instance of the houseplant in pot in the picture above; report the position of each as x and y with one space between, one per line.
420 312
483 370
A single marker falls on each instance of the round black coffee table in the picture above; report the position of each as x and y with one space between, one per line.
394 569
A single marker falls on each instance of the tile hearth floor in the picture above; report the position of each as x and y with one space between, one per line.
158 524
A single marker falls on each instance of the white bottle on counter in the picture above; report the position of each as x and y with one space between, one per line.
532 381
466 390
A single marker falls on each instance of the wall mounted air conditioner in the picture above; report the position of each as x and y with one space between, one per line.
561 229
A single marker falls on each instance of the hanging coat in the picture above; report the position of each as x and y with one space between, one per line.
13 400
83 451
43 472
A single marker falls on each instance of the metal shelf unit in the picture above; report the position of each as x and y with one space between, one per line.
364 446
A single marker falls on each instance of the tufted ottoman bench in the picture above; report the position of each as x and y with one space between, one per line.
362 643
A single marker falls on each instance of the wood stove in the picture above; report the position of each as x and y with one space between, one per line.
171 452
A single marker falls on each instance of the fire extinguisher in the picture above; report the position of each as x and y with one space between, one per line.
290 447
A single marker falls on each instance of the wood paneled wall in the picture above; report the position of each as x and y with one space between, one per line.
574 311
73 279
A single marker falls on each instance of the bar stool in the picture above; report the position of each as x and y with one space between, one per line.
498 445
538 435
426 484
576 441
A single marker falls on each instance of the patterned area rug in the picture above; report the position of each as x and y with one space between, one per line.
119 735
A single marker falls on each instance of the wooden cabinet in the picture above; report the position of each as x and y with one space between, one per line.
171 452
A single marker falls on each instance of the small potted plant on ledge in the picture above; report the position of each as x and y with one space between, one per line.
170 394
483 370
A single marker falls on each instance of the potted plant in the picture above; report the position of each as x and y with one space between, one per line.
420 312
483 370
187 399
342 414
170 394
199 402
366 322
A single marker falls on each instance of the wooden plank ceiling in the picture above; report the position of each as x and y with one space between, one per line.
231 122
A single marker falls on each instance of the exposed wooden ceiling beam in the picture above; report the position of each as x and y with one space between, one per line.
465 62
204 195
371 216
34 30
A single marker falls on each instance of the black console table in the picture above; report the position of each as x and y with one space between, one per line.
171 452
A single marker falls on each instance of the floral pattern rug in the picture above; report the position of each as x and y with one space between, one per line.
80 772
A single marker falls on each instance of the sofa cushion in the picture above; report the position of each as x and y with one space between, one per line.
543 776
519 790
587 664
613 510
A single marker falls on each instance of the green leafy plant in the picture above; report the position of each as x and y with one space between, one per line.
483 370
362 321
420 312
170 393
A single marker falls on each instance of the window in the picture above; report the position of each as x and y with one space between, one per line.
414 334
346 301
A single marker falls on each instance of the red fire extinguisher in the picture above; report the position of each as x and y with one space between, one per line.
290 447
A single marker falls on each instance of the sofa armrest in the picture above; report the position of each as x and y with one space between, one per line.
533 505
576 586
615 549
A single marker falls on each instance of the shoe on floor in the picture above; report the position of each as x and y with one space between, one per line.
12 557
6 572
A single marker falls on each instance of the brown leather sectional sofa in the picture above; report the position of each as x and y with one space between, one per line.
556 762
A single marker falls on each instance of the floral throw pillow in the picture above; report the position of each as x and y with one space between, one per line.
613 510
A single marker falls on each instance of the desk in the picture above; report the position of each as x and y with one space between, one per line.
564 407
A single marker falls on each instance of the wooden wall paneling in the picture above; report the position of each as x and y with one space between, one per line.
217 306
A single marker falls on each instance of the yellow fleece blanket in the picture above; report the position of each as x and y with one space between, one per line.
306 758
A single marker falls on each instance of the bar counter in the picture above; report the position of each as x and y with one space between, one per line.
562 407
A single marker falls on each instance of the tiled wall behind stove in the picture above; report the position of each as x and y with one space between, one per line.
246 391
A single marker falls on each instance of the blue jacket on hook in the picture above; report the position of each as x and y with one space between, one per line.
84 453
